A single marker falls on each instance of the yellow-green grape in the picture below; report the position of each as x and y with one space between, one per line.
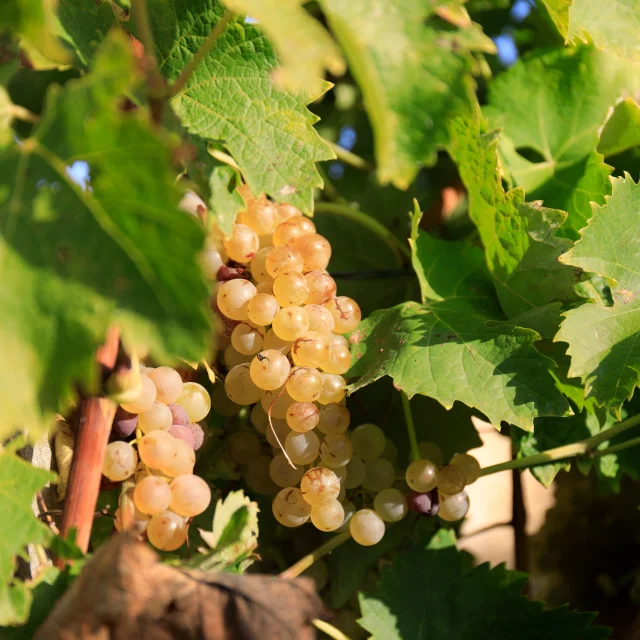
196 401
390 452
289 508
278 401
261 215
366 527
390 505
334 388
157 449
454 507
328 517
256 475
168 384
422 476
222 404
320 319
259 266
283 258
157 417
290 323
259 418
281 430
322 287
319 486
336 450
290 289
283 474
243 244
265 287
272 341
315 251
379 475
334 418
210 260
349 509
270 369
190 495
336 338
302 448
431 451
303 416
233 358
356 472
243 447
120 460
345 312
167 531
368 441
450 480
145 398
304 384
240 386
290 230
233 298
262 309
182 462
341 472
286 211
310 350
246 339
152 495
339 359
319 573
469 466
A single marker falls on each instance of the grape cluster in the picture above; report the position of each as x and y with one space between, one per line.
160 493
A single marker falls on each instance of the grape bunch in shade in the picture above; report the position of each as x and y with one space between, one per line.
282 340
159 494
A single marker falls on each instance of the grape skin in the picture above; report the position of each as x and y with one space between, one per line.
240 387
283 258
305 384
302 416
152 495
289 507
336 450
157 417
380 474
450 480
145 399
368 441
233 298
190 495
157 449
319 486
182 432
334 418
167 531
246 339
320 320
168 384
302 448
283 474
356 472
310 350
469 466
183 460
391 505
242 245
322 287
346 313
328 517
454 507
425 504
422 475
124 423
290 323
196 401
289 231
120 461
269 369
366 527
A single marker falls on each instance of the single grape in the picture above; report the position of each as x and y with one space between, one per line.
302 416
233 298
157 418
290 323
240 387
431 451
242 245
256 475
289 507
157 449
120 460
366 527
130 518
390 505
315 251
286 211
190 495
346 313
243 447
336 450
380 474
152 495
261 215
182 432
259 418
272 341
262 309
289 231
322 287
283 474
390 452
469 466
192 203
233 358
302 448
259 267
319 486
278 401
179 414
320 320
124 423
290 289
368 441
281 430
450 480
333 388
246 339
422 475
335 339
328 517
454 507
341 472
426 504
338 361
304 384
196 401
356 472
145 399
334 418
270 369
167 531
310 350
349 509
283 258
182 462
210 260
168 384
198 435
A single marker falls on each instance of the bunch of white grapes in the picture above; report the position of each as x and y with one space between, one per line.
160 493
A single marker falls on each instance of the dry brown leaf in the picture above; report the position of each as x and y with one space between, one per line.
63 447
124 593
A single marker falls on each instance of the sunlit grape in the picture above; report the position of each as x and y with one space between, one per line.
302 448
290 288
366 527
152 495
338 360
328 517
290 323
182 461
168 384
145 398
246 339
167 531
315 251
322 287
190 495
157 449
289 507
196 401
183 433
262 309
261 215
310 350
346 313
422 475
334 388
320 320
233 298
469 466
157 417
283 258
240 386
303 416
272 341
454 507
242 245
259 266
270 369
120 460
320 486
305 384
290 230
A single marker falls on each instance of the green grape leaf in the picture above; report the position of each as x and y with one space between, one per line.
458 601
604 342
415 78
304 46
225 201
76 261
231 98
445 350
549 143
519 238
622 131
19 482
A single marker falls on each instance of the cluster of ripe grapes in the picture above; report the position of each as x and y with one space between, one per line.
155 455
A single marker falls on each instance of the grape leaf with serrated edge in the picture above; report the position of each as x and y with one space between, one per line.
604 342
622 130
230 97
77 261
530 103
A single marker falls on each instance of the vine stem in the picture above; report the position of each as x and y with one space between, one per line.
305 562
349 157
329 629
408 416
573 450
143 29
346 211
